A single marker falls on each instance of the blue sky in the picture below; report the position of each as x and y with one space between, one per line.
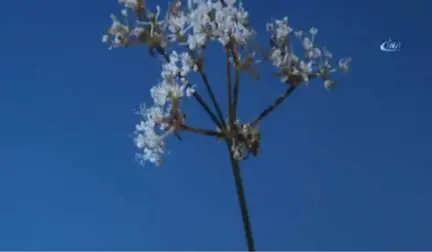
346 170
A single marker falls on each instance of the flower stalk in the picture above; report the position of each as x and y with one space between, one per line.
179 38
212 96
242 201
237 80
229 89
274 105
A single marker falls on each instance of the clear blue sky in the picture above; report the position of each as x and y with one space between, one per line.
346 170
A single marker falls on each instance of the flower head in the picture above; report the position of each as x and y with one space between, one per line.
180 36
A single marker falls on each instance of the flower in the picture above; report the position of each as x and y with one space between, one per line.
149 134
180 37
129 3
344 64
147 139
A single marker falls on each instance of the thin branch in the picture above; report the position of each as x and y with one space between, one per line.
220 124
294 81
140 10
236 92
204 105
207 109
229 89
234 54
275 104
212 96
202 131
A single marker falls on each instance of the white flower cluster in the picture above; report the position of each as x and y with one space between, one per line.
210 20
293 70
191 27
161 115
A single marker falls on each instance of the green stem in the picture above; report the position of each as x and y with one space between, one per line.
204 105
202 131
229 89
236 92
275 104
236 82
213 98
242 200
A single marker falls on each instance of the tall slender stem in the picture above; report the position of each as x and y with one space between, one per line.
242 201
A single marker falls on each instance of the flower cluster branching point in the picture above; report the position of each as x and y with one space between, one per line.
179 38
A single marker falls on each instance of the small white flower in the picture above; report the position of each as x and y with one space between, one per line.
313 31
105 38
129 3
298 34
344 64
190 91
307 44
328 84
